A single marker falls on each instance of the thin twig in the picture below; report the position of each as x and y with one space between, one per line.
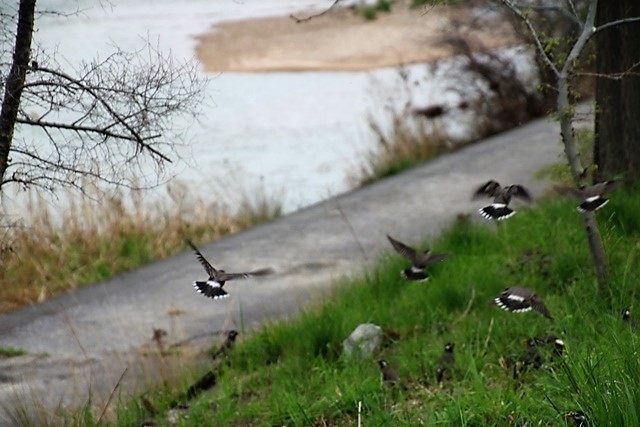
574 11
466 311
104 410
67 320
486 341
353 233
534 33
616 22
309 18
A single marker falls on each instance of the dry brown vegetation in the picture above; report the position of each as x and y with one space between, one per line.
50 253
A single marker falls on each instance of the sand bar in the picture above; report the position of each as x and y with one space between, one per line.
342 40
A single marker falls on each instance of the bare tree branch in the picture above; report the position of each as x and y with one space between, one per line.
98 120
555 8
616 23
534 33
574 11
310 17
614 76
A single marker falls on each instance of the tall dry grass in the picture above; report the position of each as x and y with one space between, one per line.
407 143
52 252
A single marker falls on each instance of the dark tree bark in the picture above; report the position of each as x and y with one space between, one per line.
617 146
15 80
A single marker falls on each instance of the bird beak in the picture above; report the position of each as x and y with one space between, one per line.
567 415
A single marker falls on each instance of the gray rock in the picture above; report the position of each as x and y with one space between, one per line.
365 340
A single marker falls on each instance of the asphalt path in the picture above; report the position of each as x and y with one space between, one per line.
83 341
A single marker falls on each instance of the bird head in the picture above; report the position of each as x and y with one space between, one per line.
382 363
449 347
232 334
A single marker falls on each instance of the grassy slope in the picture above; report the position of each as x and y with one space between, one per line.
292 373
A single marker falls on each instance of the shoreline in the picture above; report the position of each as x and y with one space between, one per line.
342 40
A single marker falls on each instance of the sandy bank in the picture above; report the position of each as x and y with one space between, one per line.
342 40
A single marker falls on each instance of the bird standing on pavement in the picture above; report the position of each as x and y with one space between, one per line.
212 287
519 299
445 363
592 196
500 209
419 260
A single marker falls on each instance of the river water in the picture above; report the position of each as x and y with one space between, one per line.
296 137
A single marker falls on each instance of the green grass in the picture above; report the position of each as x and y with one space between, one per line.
11 352
292 373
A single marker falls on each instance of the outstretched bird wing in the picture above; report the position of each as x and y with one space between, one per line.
223 276
490 188
538 305
569 191
404 250
436 258
519 191
212 272
601 188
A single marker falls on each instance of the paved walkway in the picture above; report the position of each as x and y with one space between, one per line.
84 340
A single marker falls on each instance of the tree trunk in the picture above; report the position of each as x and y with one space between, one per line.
15 80
617 148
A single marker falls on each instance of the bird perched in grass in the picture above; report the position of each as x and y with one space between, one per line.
389 377
227 345
548 340
532 358
212 287
500 209
579 417
592 196
519 299
445 363
419 260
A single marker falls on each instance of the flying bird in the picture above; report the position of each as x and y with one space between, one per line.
519 299
419 260
500 209
445 363
212 287
592 196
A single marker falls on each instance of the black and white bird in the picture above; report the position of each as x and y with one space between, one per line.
579 417
212 287
548 341
500 209
419 260
551 347
519 299
389 377
592 196
445 363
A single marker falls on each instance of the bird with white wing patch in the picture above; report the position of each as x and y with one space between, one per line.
212 287
518 299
